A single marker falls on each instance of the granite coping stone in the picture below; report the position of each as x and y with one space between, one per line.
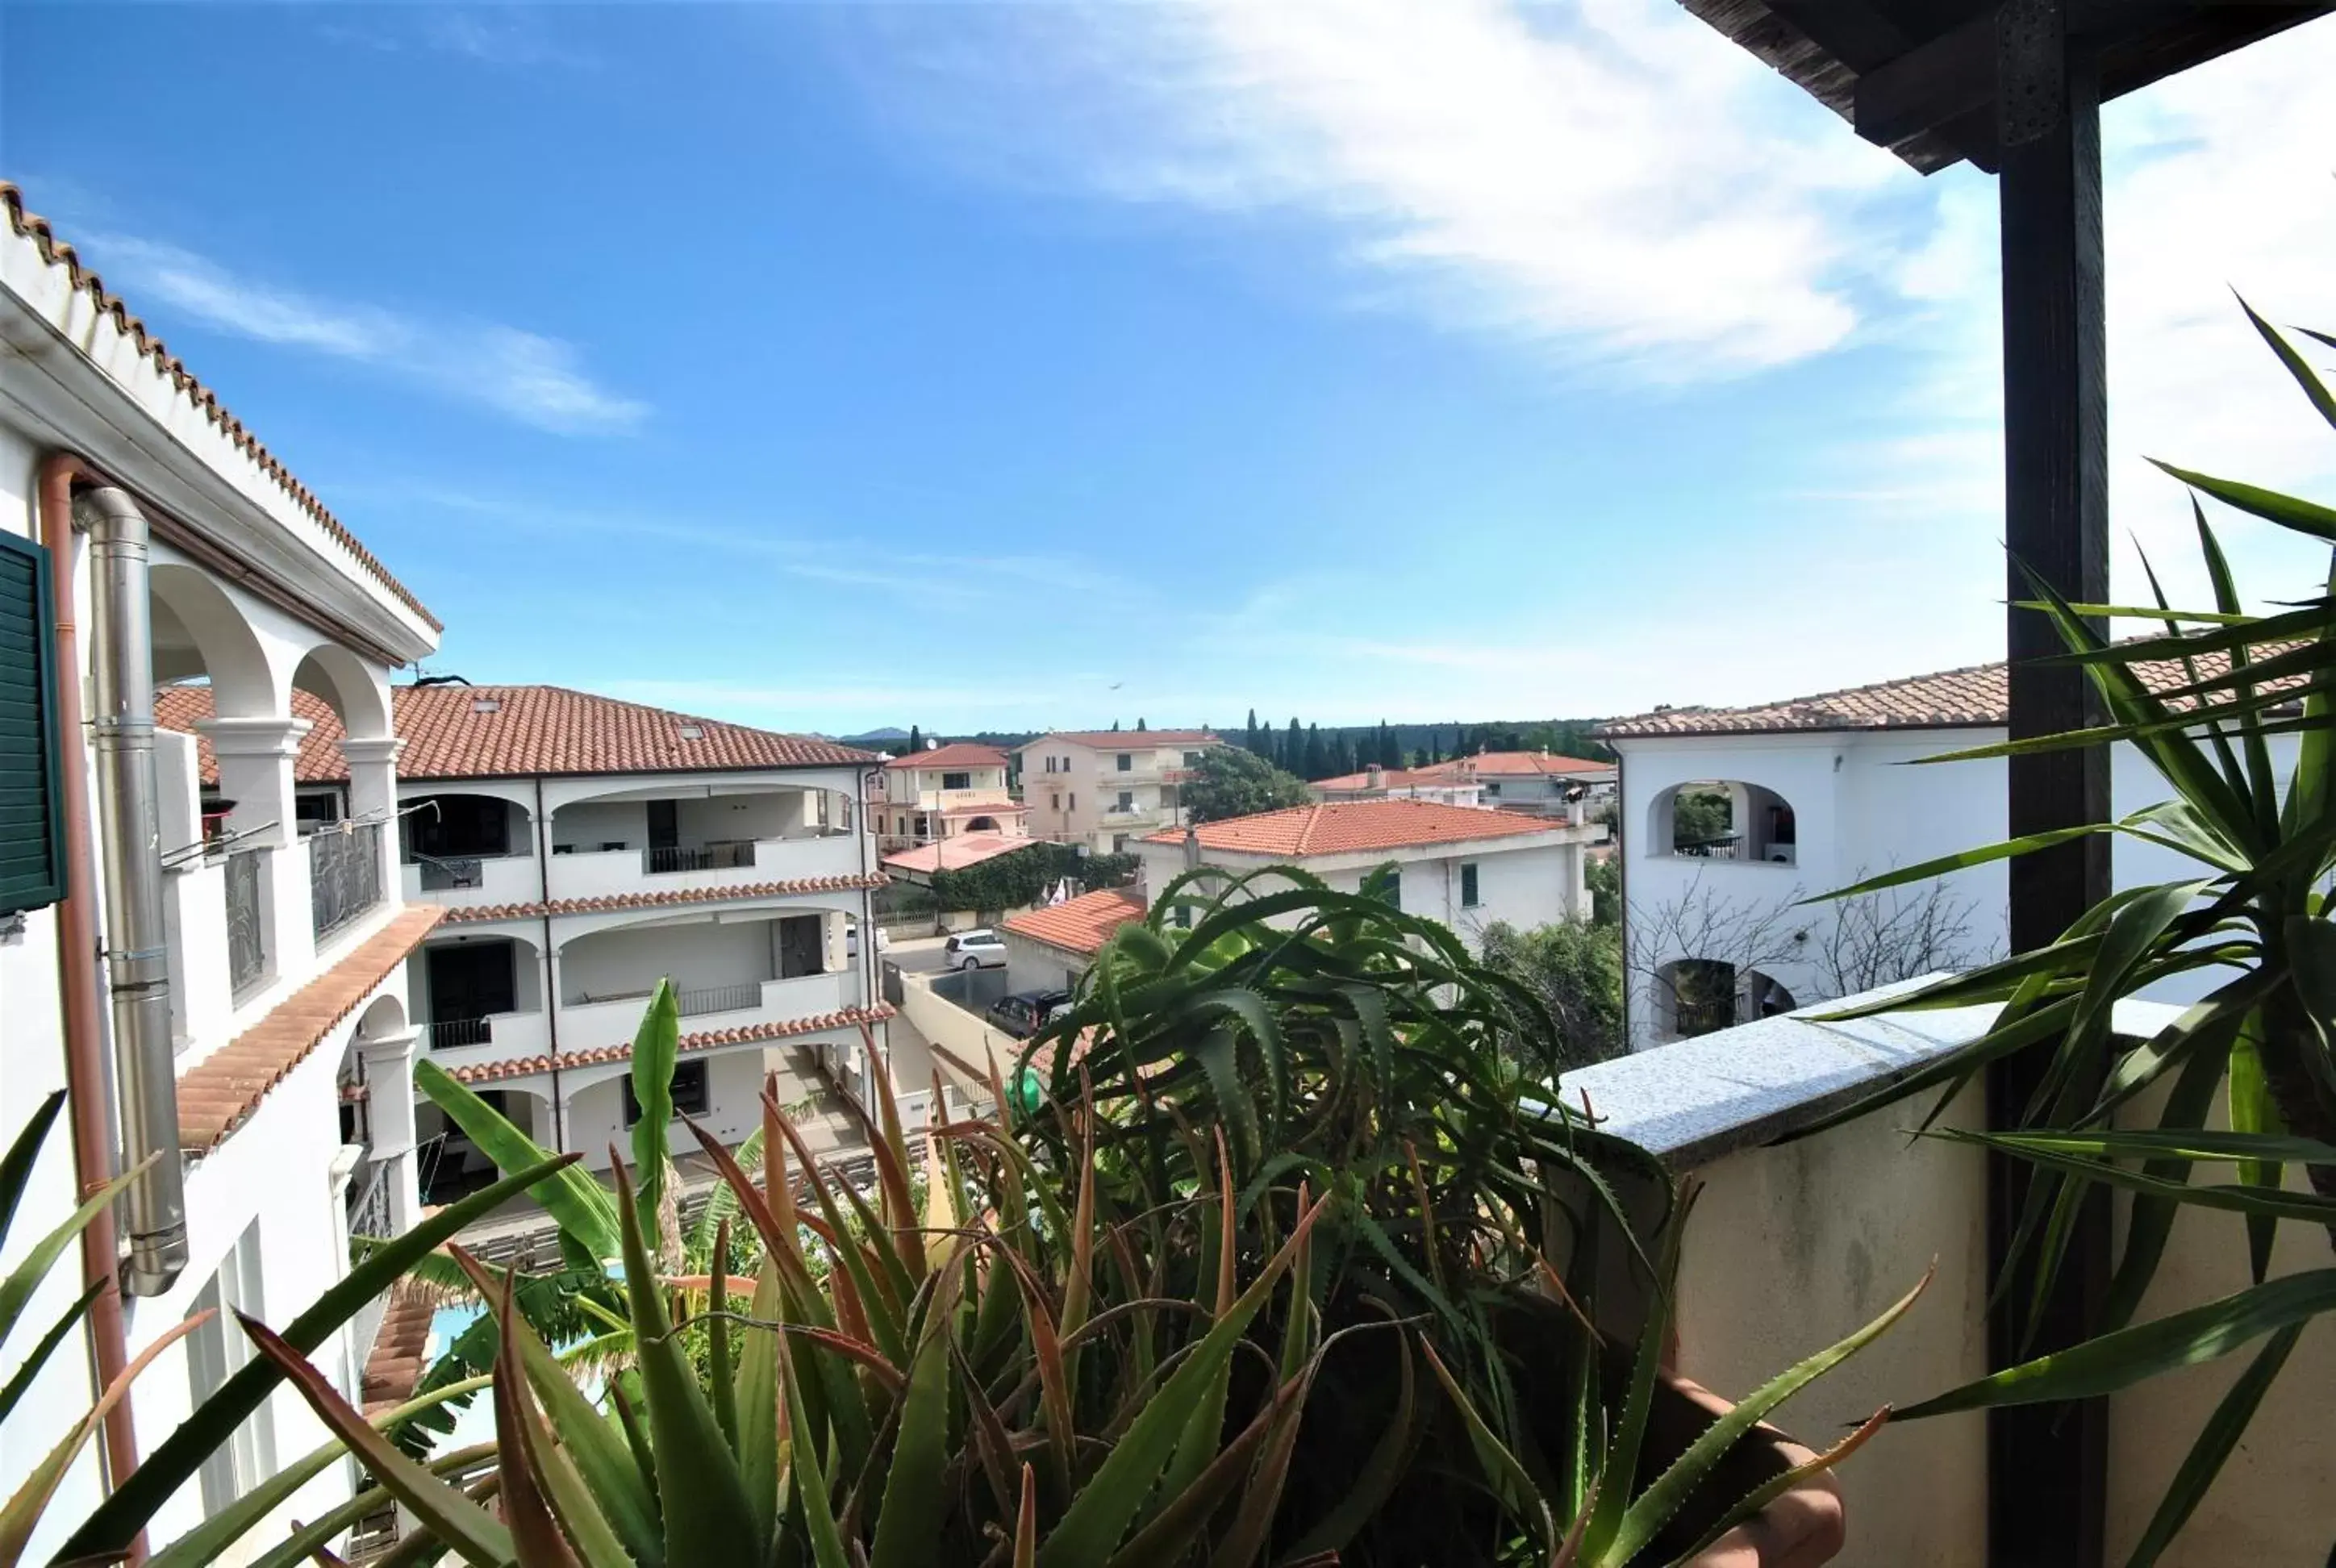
1694 1101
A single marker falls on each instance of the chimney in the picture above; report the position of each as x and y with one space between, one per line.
1192 849
1375 777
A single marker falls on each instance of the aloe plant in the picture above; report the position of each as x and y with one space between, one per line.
2207 699
117 1521
1019 1368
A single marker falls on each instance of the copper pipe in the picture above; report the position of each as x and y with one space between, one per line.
78 982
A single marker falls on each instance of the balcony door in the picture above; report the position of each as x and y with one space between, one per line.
665 824
801 950
470 980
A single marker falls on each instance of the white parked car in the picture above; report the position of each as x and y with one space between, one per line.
981 950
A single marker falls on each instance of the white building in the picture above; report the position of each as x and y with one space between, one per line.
1048 948
1438 783
1540 783
1108 788
943 793
1462 865
585 847
251 986
1817 798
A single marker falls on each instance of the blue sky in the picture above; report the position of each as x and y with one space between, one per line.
996 366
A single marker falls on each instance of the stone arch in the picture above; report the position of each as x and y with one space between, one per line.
384 1017
358 697
1734 820
199 631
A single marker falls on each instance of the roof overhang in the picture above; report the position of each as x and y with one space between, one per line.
217 506
1919 76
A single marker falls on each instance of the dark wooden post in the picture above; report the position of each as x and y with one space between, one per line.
2048 1464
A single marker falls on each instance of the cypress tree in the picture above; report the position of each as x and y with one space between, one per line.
1293 748
1250 739
916 740
1314 768
1388 755
1139 724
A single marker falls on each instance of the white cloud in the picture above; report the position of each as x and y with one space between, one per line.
529 377
2223 179
1613 180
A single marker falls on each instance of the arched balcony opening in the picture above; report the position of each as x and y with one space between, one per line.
1693 996
448 841
450 1166
221 733
675 837
1723 820
476 991
715 964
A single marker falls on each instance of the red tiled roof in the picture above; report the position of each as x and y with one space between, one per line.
1510 764
1079 925
530 730
1002 809
524 1066
218 1094
1126 739
1976 696
956 854
957 754
55 252
1350 827
607 901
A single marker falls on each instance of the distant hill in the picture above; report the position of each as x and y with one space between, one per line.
876 740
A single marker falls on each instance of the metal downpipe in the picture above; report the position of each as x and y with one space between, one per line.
137 962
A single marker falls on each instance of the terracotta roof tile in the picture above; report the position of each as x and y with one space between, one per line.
55 252
219 1092
1466 769
731 894
1976 696
526 1066
1351 827
956 854
957 754
1079 925
530 730
1126 739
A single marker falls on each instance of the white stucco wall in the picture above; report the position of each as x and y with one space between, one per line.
1523 885
1859 810
596 1114
692 954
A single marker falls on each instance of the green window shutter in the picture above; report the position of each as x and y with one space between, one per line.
32 819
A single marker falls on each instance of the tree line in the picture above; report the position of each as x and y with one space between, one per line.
1313 753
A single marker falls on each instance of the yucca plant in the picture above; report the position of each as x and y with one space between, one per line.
106 1535
2210 700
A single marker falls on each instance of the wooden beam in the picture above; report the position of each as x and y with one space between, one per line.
1930 84
2048 1464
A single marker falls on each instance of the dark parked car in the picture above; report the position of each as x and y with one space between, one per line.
1025 1013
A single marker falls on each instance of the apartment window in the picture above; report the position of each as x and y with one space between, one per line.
1075 801
1126 762
1119 843
1468 885
216 1351
689 1093
956 781
1127 800
1192 759
1054 801
1492 788
1394 893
